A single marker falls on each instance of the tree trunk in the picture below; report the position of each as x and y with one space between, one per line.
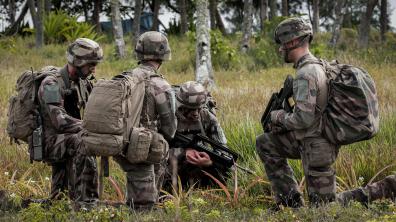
384 19
15 26
247 24
155 15
85 9
183 16
315 8
339 12
285 8
220 23
212 11
347 23
37 17
96 15
204 70
136 22
117 28
364 27
12 12
48 6
273 9
263 12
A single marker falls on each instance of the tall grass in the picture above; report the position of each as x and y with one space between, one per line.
241 94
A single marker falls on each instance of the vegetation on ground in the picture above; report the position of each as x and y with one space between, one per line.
244 83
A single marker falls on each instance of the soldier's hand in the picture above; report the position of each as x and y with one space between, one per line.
198 158
277 116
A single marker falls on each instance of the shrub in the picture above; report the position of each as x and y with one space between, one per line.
60 27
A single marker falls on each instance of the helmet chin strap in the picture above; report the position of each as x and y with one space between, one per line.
80 73
299 44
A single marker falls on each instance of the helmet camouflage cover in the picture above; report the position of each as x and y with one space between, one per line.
84 51
152 45
292 28
191 95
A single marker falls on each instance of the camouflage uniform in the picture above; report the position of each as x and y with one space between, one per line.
303 139
158 114
61 103
190 174
385 188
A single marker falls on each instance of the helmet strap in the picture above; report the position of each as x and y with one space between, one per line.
301 42
80 74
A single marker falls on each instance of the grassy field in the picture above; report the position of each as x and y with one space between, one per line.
241 94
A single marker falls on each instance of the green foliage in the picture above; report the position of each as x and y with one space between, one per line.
8 43
60 27
223 53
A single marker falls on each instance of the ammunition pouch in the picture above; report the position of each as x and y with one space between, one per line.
146 146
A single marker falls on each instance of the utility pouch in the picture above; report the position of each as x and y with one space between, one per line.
158 149
139 145
37 144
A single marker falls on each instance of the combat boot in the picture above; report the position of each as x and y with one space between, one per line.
344 198
293 200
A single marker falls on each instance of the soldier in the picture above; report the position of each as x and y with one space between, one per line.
385 188
158 115
298 135
193 117
62 98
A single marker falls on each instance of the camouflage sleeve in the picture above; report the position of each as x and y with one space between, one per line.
52 101
214 130
165 106
304 94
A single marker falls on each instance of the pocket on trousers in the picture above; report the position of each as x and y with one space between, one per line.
320 154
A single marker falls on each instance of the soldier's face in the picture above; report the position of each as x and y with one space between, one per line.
191 114
284 51
87 70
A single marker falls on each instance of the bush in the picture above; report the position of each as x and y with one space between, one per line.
60 27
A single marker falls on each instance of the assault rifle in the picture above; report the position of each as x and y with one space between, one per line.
218 152
279 100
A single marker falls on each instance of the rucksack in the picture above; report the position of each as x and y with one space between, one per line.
351 113
23 107
111 120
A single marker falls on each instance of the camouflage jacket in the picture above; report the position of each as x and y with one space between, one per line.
310 90
158 111
208 125
62 102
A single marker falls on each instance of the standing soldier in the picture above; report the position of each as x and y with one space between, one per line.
194 117
62 98
298 135
158 114
385 188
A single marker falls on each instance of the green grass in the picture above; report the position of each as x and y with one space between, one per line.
241 93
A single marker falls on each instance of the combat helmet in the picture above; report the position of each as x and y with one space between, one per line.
84 51
191 95
292 28
153 45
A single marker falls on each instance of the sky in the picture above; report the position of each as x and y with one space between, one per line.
393 15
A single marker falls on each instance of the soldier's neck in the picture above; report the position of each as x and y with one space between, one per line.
155 65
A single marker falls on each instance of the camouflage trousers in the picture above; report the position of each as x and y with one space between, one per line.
141 190
317 156
72 171
385 188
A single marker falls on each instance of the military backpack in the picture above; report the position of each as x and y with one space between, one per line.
351 113
23 109
111 121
